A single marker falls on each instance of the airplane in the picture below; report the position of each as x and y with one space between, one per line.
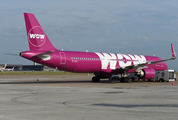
5 69
2 69
12 69
103 65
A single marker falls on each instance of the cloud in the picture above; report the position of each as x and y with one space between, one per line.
145 38
138 37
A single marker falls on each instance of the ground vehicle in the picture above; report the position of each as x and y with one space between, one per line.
114 78
167 75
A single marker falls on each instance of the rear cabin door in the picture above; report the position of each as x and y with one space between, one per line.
62 58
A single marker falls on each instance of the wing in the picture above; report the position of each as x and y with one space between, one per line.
136 66
173 57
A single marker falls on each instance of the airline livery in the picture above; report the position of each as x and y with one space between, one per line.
2 69
5 69
103 65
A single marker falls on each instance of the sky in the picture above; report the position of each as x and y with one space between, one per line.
146 27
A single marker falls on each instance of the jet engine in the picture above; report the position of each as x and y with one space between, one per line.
146 73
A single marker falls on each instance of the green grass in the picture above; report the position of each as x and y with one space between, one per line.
39 73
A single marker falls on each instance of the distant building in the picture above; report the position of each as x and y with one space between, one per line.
32 68
28 67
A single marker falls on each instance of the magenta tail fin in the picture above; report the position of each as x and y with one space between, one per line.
37 38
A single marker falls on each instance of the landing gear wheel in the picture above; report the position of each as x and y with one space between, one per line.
95 79
112 79
162 80
129 80
125 80
122 80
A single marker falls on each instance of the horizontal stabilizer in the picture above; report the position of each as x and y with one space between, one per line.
45 53
11 54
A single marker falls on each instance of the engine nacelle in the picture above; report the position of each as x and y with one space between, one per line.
146 73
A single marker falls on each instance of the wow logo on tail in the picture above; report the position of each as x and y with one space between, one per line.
36 36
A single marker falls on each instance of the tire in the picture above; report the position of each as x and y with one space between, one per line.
95 79
162 80
110 79
125 80
129 80
122 80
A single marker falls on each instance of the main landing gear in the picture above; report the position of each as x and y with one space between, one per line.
113 79
122 79
125 80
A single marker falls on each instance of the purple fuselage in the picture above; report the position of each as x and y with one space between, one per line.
91 62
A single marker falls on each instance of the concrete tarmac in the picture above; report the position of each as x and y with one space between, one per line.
75 97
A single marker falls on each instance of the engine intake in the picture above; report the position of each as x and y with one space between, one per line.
146 73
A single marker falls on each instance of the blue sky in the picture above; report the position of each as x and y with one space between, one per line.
146 27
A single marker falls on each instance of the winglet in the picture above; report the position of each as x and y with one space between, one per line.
173 52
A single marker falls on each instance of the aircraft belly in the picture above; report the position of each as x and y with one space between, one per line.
87 66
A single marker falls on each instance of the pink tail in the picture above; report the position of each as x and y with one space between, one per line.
37 38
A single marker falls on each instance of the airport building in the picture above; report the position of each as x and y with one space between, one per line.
27 67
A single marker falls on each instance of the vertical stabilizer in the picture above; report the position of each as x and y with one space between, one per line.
5 66
37 38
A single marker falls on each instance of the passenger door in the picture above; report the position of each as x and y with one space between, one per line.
62 58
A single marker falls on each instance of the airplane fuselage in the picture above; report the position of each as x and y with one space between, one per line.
92 62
